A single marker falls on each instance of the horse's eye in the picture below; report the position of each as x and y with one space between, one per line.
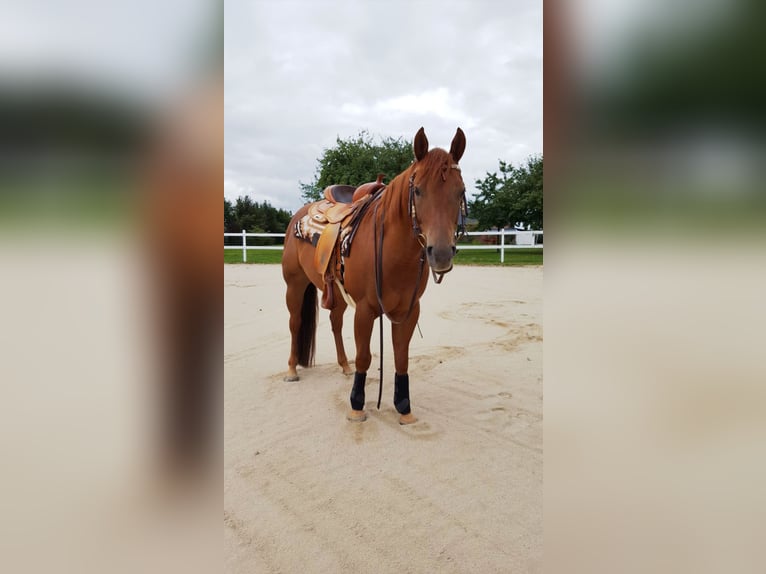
417 191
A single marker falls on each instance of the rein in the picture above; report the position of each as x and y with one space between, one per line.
378 253
378 242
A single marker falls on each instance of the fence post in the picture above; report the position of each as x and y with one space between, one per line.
502 246
244 246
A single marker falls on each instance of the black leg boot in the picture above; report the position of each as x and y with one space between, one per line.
357 391
402 394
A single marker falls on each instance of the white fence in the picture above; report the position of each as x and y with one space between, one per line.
244 246
524 240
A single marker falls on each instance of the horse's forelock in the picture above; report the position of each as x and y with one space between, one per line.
436 163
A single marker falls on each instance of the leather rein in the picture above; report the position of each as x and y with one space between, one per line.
417 232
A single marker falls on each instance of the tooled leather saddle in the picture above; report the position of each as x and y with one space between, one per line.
333 221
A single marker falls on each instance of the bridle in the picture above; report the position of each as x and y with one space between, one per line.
414 216
417 232
462 216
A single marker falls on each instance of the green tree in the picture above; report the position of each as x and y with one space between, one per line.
246 214
357 160
228 216
514 197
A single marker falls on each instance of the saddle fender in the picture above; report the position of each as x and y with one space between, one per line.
325 247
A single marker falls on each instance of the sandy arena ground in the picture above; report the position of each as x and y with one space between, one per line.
306 491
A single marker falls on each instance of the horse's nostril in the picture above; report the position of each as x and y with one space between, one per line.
441 252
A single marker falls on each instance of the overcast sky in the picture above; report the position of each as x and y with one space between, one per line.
142 50
299 74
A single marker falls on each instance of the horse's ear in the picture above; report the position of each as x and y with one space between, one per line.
420 145
458 145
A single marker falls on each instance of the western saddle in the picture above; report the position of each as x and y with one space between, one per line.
334 219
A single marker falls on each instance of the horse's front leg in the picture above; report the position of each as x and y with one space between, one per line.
401 333
364 317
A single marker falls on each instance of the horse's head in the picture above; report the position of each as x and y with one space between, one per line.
437 194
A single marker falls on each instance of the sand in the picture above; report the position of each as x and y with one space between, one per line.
307 491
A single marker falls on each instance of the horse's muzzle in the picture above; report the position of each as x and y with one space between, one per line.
440 258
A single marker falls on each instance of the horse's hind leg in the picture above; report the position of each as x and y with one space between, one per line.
336 320
301 303
294 300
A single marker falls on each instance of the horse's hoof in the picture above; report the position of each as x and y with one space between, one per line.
292 378
357 416
407 419
346 369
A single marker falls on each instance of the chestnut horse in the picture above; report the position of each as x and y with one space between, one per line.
410 227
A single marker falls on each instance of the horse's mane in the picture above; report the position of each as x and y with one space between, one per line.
430 166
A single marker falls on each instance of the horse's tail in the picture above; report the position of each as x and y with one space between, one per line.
308 329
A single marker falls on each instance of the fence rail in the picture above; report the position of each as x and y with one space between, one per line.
525 237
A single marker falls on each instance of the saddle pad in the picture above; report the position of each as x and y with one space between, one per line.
308 229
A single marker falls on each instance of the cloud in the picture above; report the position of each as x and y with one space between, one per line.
301 74
438 102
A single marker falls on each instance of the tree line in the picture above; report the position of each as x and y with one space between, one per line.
248 215
511 198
